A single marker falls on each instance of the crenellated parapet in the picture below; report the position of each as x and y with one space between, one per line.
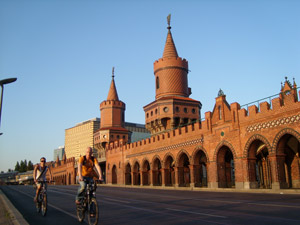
112 103
169 63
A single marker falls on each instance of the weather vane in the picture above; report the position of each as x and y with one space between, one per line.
113 72
169 20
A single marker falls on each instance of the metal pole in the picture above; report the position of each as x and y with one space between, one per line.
2 82
2 87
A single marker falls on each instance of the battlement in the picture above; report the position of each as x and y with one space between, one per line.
160 140
281 104
170 62
112 103
239 115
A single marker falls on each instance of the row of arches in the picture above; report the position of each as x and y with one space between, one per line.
260 166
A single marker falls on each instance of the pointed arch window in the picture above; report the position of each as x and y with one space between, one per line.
220 112
157 82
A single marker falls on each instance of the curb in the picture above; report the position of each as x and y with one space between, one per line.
232 190
16 217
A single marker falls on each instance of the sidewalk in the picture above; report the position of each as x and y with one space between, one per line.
9 215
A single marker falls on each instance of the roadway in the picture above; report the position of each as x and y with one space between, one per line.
155 206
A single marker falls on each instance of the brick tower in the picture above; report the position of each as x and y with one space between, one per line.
112 125
172 106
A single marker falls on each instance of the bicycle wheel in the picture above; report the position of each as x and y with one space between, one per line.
93 212
38 206
38 203
44 205
80 211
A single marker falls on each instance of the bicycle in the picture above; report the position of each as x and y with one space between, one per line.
41 201
88 204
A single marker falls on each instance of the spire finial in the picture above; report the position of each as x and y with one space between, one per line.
169 21
220 93
113 72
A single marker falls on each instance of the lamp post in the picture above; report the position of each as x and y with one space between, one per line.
2 82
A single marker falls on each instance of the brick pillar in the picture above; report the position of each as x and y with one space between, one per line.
151 177
212 175
141 178
192 175
295 170
163 182
176 176
132 179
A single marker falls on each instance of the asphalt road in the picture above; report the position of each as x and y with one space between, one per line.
152 206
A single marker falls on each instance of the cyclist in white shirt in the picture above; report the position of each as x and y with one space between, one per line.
39 174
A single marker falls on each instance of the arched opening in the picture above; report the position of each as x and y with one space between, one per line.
200 171
114 175
128 174
146 173
156 172
184 171
259 165
136 174
225 166
288 150
169 171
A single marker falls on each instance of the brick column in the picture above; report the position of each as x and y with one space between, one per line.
163 178
192 175
176 176
212 175
151 177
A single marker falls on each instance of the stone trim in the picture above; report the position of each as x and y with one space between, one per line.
273 123
180 145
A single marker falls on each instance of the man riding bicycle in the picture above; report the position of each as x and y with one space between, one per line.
39 174
86 171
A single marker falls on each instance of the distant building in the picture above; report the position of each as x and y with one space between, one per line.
79 137
59 152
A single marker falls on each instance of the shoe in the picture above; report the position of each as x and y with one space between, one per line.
77 202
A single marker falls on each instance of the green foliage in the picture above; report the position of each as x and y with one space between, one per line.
23 166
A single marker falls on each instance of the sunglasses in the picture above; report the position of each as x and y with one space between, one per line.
42 161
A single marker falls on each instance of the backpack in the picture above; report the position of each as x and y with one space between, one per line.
85 160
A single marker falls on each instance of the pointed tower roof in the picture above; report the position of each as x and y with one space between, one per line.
170 49
112 94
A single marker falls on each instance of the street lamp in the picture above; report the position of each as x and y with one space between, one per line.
2 82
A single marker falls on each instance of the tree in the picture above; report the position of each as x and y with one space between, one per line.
22 167
17 167
29 165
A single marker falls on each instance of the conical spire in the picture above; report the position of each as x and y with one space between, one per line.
170 49
112 94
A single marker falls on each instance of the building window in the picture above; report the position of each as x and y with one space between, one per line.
193 111
155 111
147 115
185 110
177 109
220 112
157 82
118 136
151 113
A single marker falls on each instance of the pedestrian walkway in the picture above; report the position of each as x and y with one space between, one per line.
9 215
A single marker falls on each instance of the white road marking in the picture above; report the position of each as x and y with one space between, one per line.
59 209
202 214
110 199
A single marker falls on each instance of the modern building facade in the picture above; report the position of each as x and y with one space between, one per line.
79 137
232 147
58 153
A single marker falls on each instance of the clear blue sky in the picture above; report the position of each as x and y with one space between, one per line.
63 51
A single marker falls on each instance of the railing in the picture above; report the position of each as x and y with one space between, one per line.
264 99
